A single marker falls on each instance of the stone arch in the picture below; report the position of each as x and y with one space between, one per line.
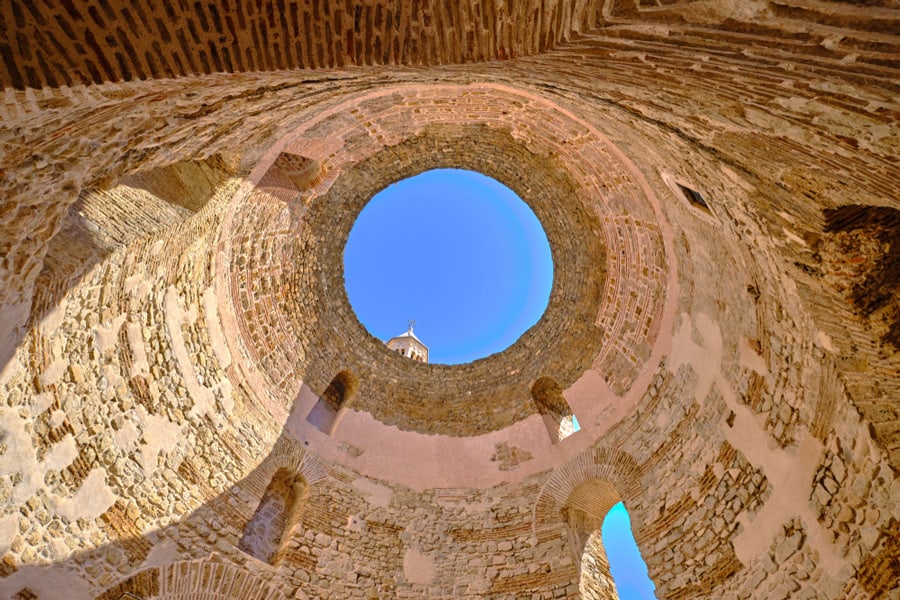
618 468
851 282
282 483
553 408
584 513
192 580
113 214
288 454
303 172
573 504
341 390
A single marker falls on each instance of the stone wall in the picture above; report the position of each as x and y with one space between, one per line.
603 309
739 395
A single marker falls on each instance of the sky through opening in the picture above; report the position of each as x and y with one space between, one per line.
455 250
628 569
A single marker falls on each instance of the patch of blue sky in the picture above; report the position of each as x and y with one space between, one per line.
455 250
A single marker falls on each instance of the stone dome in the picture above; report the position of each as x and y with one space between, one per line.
190 408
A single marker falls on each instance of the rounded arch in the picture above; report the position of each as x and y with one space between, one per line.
192 580
279 509
341 390
618 469
548 397
196 579
290 455
574 503
278 490
334 402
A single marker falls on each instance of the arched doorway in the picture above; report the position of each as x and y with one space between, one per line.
603 546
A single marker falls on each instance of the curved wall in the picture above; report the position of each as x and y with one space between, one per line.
749 426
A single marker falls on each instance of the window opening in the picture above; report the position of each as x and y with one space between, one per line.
553 407
694 197
627 566
567 426
600 537
332 404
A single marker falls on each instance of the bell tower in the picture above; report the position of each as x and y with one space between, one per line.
407 344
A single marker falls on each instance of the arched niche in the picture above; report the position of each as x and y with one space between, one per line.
105 218
279 510
574 502
553 408
334 402
584 512
859 257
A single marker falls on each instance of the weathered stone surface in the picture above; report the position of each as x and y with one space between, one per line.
718 183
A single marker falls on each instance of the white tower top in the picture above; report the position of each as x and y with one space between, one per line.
409 345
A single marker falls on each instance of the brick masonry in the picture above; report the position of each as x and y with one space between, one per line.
293 338
735 367
44 44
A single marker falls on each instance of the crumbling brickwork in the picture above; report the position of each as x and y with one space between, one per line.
177 181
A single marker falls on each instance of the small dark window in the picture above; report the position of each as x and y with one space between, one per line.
694 197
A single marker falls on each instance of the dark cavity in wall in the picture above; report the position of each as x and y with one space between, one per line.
694 197
877 292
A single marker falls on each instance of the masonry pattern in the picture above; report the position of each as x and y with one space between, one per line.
176 184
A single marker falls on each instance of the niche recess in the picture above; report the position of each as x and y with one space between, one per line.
333 403
859 256
105 218
304 172
279 510
694 197
553 407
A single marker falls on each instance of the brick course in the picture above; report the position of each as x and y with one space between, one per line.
735 366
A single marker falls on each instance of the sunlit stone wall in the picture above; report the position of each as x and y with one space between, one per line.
749 425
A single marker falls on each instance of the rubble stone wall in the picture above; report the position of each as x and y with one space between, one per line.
734 387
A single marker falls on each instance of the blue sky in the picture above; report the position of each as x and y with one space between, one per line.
628 568
458 252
